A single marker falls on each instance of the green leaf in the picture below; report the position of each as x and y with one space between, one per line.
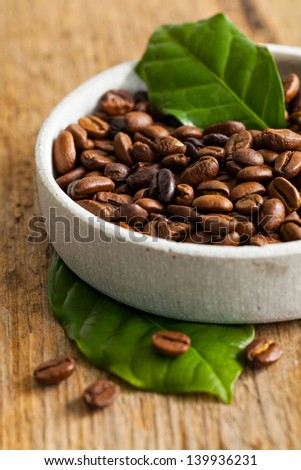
208 71
117 338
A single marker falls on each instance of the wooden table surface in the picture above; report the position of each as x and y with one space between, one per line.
48 48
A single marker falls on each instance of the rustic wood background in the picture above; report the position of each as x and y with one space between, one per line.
47 48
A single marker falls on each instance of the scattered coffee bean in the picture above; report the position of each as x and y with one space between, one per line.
263 352
101 394
171 343
55 370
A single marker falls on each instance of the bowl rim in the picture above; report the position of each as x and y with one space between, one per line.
189 249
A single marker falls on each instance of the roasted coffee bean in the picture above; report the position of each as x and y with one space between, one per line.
203 170
245 228
227 128
142 152
193 146
184 194
218 224
116 102
105 145
186 132
93 173
248 157
200 238
263 352
295 104
212 151
163 186
291 230
169 145
155 132
127 227
269 156
96 128
132 214
95 159
216 139
176 162
117 172
288 164
213 187
242 140
123 189
233 167
64 152
72 175
142 177
272 215
54 371
281 140
231 239
291 86
245 189
101 394
95 207
116 125
282 189
79 189
182 213
141 193
80 137
262 240
113 198
151 205
172 230
122 148
249 205
255 173
213 203
136 121
256 136
171 343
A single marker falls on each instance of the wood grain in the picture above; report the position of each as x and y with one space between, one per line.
47 48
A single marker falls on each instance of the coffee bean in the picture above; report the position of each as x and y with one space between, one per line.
245 189
249 205
200 238
80 137
184 194
176 162
154 132
255 173
132 214
112 198
233 167
122 148
245 228
95 159
225 127
231 239
117 172
182 213
72 175
171 343
213 203
288 164
95 207
116 125
263 352
218 224
142 152
272 215
96 128
142 177
185 132
281 140
64 152
101 394
213 187
105 145
79 189
116 102
203 170
291 86
151 205
54 371
212 151
215 139
136 121
269 156
282 189
163 186
239 141
169 145
248 157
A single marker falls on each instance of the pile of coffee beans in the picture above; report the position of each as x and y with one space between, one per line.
144 171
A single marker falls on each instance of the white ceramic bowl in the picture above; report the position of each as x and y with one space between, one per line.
184 281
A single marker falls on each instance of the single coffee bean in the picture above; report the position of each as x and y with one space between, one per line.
96 128
142 152
141 193
291 230
176 162
169 145
212 151
231 239
218 224
151 205
249 205
244 189
116 102
239 141
281 140
269 156
203 170
184 194
216 139
233 167
155 132
117 172
272 215
116 125
248 157
132 214
227 128
122 148
80 137
79 189
105 145
288 164
136 121
95 207
213 203
182 213
142 177
163 186
95 159
185 132
101 394
93 173
255 173
256 136
171 343
213 187
64 152
282 189
263 352
112 198
291 86
72 175
245 228
54 371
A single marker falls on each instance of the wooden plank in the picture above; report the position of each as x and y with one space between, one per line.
47 49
